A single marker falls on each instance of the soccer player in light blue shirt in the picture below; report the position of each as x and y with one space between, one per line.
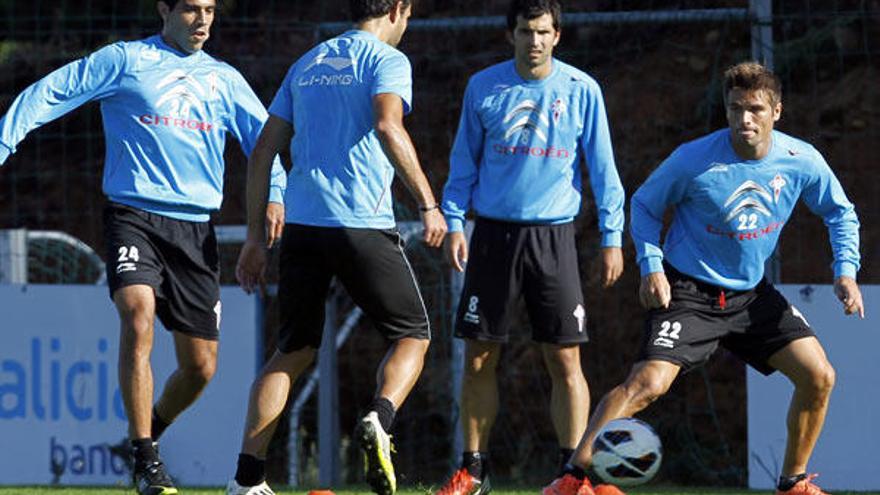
167 107
527 125
732 192
340 109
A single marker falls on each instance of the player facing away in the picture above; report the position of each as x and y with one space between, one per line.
167 107
526 126
732 192
340 108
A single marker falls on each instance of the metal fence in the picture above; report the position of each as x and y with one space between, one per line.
661 84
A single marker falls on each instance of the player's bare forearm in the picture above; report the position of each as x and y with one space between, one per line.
257 193
400 151
398 147
275 135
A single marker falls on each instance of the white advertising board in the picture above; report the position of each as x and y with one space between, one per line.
846 455
60 407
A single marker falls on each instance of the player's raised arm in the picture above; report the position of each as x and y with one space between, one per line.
388 111
65 89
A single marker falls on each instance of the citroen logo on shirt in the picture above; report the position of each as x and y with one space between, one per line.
746 199
747 204
527 119
180 92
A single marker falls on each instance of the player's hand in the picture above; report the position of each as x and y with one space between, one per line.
435 227
847 290
654 292
251 268
612 265
274 223
457 250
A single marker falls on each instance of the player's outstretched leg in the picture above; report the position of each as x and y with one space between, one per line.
647 381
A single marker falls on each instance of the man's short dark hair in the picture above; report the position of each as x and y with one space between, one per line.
173 3
531 9
361 10
752 76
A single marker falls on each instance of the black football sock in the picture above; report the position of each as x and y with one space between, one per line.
787 482
143 451
564 456
158 425
576 471
385 410
251 471
476 463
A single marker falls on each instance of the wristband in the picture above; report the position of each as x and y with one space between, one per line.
435 206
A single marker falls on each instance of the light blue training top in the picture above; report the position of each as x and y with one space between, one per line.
729 212
341 176
165 114
519 146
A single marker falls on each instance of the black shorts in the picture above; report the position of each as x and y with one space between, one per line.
539 262
178 259
752 324
370 264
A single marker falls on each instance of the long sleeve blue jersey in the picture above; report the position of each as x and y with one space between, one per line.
729 212
517 153
166 115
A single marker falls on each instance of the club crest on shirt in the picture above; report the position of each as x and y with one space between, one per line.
212 83
777 184
558 108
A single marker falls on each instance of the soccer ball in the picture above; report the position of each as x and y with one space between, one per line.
626 452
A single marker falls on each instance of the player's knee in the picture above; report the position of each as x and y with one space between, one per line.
822 380
480 361
478 368
564 366
137 321
201 372
645 389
